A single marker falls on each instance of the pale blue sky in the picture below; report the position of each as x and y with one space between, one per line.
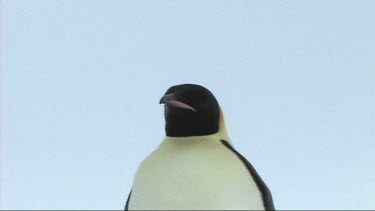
82 80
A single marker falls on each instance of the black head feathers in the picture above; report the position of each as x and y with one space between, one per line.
190 110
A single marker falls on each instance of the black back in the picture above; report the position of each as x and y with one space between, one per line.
266 193
127 201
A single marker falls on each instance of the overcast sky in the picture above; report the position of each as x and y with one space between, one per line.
82 80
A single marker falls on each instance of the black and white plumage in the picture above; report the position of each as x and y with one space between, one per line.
196 166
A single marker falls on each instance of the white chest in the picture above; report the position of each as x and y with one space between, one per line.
194 175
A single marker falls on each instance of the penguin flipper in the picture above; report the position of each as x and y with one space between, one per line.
127 202
266 193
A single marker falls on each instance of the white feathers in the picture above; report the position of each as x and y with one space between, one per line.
194 173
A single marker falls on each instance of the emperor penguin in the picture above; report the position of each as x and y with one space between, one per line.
196 166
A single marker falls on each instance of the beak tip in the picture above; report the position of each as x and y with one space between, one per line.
165 98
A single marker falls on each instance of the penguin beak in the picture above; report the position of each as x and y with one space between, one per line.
170 100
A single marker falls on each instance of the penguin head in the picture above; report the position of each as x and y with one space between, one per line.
190 110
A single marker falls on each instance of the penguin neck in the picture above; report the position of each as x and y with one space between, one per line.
222 134
192 138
